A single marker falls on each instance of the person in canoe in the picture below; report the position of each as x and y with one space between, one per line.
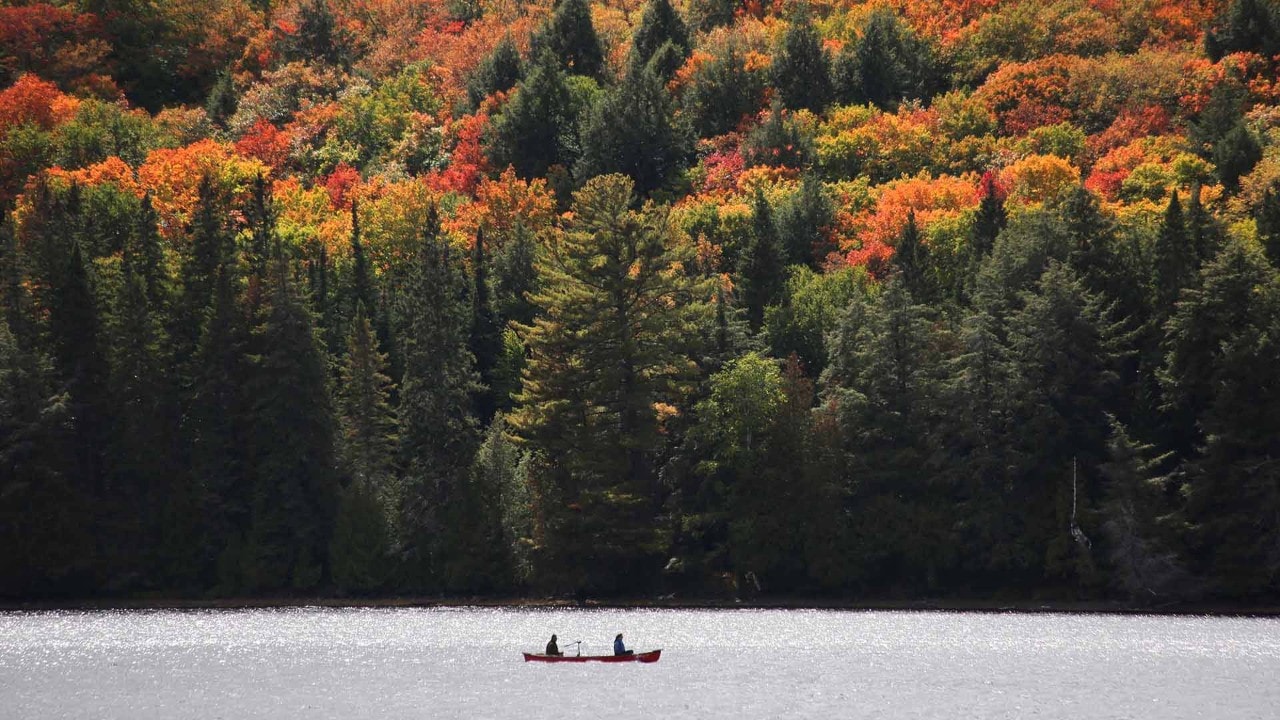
552 647
619 648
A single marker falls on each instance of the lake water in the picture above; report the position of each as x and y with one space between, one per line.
466 663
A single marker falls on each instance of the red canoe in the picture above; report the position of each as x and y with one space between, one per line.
644 657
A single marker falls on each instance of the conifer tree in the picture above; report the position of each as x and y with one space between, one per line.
360 553
1268 219
761 272
486 333
911 258
887 64
534 129
571 37
217 430
990 219
293 502
141 397
801 70
1219 381
633 130
723 91
498 72
659 24
515 277
80 358
1235 155
210 248
601 355
804 223
1247 26
438 433
1175 258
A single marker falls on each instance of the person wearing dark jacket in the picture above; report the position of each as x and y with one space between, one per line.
619 648
553 648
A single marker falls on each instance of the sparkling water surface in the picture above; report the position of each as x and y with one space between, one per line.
466 663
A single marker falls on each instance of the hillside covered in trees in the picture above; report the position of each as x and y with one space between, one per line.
885 299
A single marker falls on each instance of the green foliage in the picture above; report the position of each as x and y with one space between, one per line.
887 64
571 37
589 407
805 221
633 130
437 425
535 130
723 91
1247 26
1268 219
319 38
659 25
778 142
801 69
498 72
762 269
812 304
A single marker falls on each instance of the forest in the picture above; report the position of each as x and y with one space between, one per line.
883 299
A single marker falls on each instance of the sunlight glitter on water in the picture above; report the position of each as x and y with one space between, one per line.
465 662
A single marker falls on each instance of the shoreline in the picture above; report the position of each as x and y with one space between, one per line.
1213 609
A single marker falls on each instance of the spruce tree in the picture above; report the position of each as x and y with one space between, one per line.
534 129
761 271
438 433
601 356
723 91
486 332
1268 219
293 502
911 259
571 37
1220 385
633 130
659 24
1175 258
1247 26
498 72
360 553
1235 155
887 65
805 221
80 358
801 69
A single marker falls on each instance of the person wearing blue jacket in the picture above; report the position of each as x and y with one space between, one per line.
619 648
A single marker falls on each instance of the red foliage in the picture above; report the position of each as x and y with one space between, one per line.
339 184
56 42
990 186
874 255
1129 126
265 142
467 162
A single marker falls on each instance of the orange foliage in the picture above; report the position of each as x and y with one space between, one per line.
172 176
1024 96
503 203
112 171
931 199
1037 178
32 100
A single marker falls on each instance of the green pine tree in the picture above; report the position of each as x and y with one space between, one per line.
633 130
438 433
761 271
601 356
801 69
